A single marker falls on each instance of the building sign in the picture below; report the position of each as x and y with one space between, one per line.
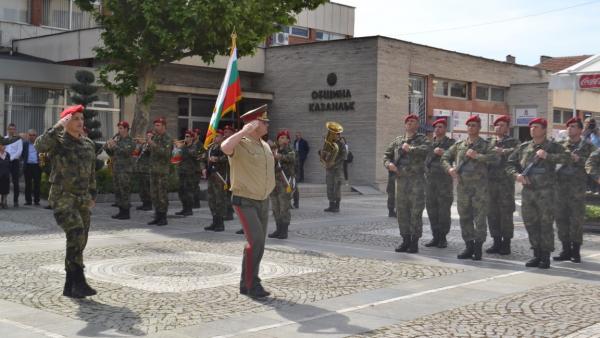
331 99
524 115
442 112
589 81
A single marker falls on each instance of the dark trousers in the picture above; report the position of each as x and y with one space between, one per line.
33 175
15 173
300 169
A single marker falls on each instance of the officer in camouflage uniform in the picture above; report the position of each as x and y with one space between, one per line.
188 168
120 149
471 158
72 191
390 189
199 156
228 131
142 166
439 194
334 176
533 165
160 147
570 193
216 170
501 189
285 164
405 156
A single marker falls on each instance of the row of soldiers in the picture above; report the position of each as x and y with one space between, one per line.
553 175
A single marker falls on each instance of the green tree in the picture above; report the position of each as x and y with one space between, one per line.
85 94
141 35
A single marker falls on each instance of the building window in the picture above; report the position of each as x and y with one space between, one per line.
450 88
326 36
488 93
482 93
65 14
497 94
15 11
561 115
295 30
195 112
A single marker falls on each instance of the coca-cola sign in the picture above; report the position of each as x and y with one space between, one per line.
589 81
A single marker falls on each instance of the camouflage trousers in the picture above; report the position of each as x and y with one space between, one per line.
187 181
334 178
280 204
570 210
472 203
217 196
410 202
144 183
391 192
501 206
439 198
122 186
537 209
72 214
160 194
197 188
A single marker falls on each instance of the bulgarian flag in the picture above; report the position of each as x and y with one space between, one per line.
229 94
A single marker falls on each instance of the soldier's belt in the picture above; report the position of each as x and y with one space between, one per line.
570 171
537 171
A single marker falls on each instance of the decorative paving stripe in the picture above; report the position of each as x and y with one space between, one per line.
31 328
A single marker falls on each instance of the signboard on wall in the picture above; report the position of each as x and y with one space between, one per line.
524 115
459 120
484 121
442 113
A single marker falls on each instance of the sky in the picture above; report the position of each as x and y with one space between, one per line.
520 28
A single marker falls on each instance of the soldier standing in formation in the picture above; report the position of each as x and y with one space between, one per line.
501 188
470 158
405 157
160 147
533 165
188 168
391 194
120 149
285 162
570 193
198 174
216 170
440 190
72 191
142 167
228 131
334 177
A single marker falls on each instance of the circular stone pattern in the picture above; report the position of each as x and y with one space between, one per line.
181 269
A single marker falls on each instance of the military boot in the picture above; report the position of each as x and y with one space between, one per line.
240 232
86 287
275 234
413 247
392 213
505 247
162 219
565 254
118 215
219 225
3 202
180 213
535 261
125 214
477 246
575 254
337 206
405 243
434 241
212 225
228 215
331 207
442 243
68 284
147 206
495 248
468 251
155 220
284 231
544 260
79 286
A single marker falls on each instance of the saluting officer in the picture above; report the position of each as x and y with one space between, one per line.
285 163
216 170
120 149
72 191
160 147
501 189
405 156
440 190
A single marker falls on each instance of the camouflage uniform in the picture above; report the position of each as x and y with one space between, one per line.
280 197
537 199
216 187
501 187
201 165
391 192
122 166
72 190
410 185
570 196
440 192
143 173
334 177
160 156
472 192
188 169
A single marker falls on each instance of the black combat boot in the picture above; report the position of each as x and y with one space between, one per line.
392 213
196 204
477 246
284 231
240 232
212 225
119 214
405 243
183 211
228 215
565 254
505 247
337 206
331 207
435 241
468 251
68 284
162 219
79 286
219 225
413 247
147 206
535 261
188 212
155 220
495 248
125 214
86 287
575 254
544 260
275 234
442 243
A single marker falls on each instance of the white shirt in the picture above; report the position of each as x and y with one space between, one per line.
15 149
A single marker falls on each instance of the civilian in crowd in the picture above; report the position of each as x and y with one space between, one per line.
31 169
15 149
302 149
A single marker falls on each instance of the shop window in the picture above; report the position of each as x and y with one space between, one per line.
450 88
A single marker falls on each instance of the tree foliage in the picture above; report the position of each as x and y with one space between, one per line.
140 35
85 94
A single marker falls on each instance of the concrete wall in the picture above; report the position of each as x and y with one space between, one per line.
329 17
534 95
587 100
293 72
14 31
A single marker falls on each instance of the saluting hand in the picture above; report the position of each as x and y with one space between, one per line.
63 122
250 127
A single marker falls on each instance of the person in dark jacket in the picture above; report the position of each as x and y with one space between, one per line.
302 149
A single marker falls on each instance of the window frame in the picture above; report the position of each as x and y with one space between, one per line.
449 88
489 89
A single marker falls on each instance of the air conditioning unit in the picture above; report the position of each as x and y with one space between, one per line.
281 38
